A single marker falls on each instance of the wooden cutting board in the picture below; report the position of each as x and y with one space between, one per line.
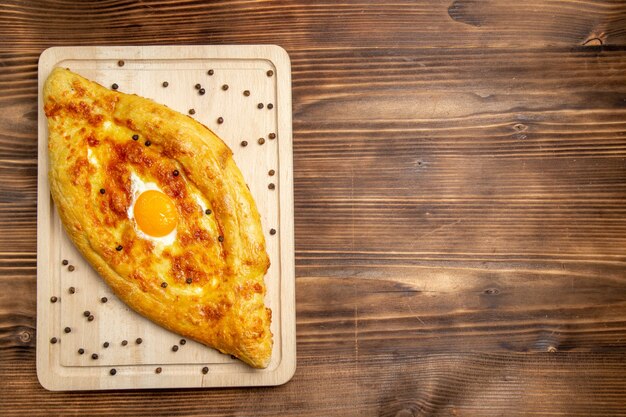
246 100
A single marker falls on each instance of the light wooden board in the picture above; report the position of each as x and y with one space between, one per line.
144 70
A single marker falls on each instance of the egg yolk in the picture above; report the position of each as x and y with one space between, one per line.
155 213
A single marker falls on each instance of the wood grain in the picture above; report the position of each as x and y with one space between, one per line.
460 180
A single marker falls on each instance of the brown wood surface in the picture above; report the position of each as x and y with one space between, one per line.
460 196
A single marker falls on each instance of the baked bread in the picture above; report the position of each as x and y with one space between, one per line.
155 202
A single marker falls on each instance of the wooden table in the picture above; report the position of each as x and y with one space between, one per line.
460 195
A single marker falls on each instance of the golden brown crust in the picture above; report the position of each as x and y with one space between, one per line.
222 254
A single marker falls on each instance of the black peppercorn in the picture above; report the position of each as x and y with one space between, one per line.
164 285
124 342
192 111
94 356
53 299
272 136
175 348
81 351
244 143
207 211
270 106
158 370
260 105
189 280
261 141
102 191
67 330
220 238
225 87
271 172
115 86
135 137
246 93
205 370
220 120
90 318
105 345
120 63
148 143
272 232
104 300
175 173
112 371
182 341
165 84
139 340
65 262
198 86
72 290
201 91
71 268
271 186
210 72
86 313
119 248
54 340
270 73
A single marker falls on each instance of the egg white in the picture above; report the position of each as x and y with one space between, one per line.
137 187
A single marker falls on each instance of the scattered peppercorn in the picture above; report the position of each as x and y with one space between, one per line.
71 268
135 137
139 340
182 341
115 86
165 84
261 141
271 172
72 290
192 111
260 105
233 357
175 348
105 345
271 186
124 342
65 262
120 63
270 106
67 330
53 299
86 313
207 211
198 86
189 280
112 371
270 73
81 351
244 143
246 93
210 72
201 91
158 370
119 248
272 232
90 318
205 370
272 136
175 173
148 143
54 340
102 191
164 285
220 238
104 300
225 87
220 120
94 356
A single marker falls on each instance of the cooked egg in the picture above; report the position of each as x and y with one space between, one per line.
153 213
